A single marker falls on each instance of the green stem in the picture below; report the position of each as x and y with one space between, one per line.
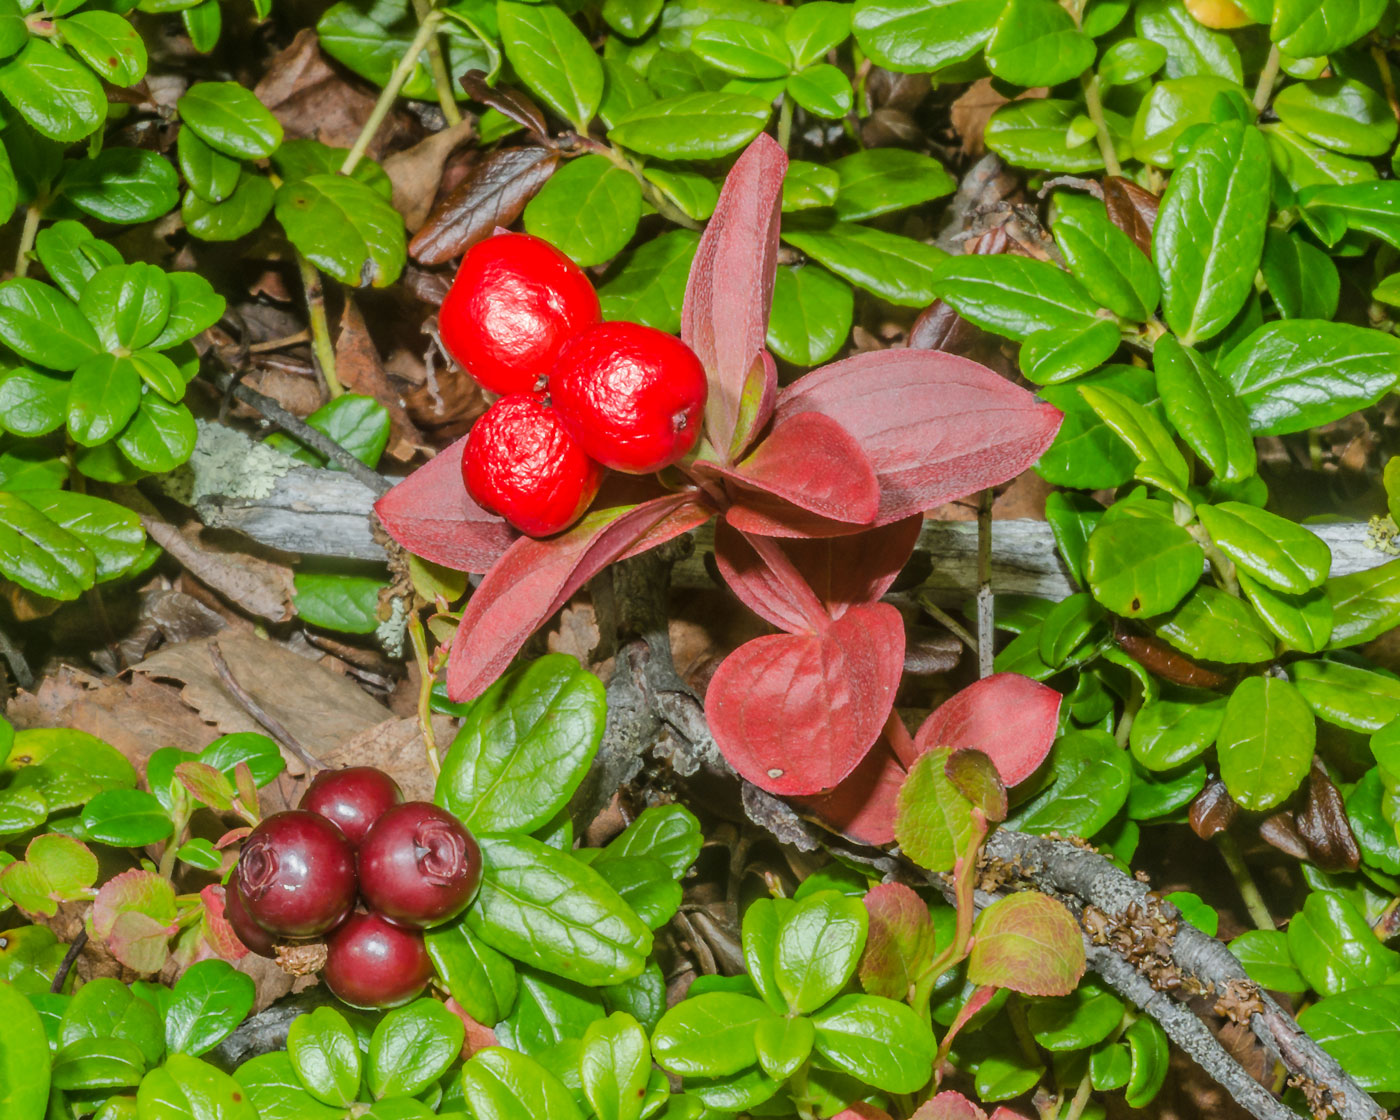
1081 1099
1094 102
1244 881
426 29
1130 711
425 690
32 215
442 80
1265 89
785 123
321 344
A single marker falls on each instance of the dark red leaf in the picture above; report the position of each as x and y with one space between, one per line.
1132 209
949 1105
1213 810
1323 825
492 195
788 603
808 461
862 806
1008 717
1161 660
795 713
431 514
536 577
934 426
730 291
508 102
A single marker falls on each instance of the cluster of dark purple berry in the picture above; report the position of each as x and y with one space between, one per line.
353 836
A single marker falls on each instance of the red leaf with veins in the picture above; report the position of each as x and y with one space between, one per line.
1010 718
841 571
808 461
789 604
859 1110
862 806
730 290
934 426
795 713
949 1105
536 577
431 514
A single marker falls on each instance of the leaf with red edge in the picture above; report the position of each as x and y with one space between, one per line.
536 577
795 713
216 929
1008 717
934 823
756 402
808 461
1027 942
949 1105
859 1110
134 916
730 290
935 426
862 806
431 514
841 571
899 944
975 776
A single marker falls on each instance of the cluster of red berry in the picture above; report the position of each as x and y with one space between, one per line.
576 394
353 836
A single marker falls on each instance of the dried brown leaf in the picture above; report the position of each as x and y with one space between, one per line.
359 368
258 586
1212 810
1323 825
416 172
1132 209
395 746
508 102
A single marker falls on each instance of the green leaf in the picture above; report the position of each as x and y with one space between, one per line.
824 91
104 396
127 304
40 323
236 216
644 884
210 174
1150 1057
1161 461
1113 270
650 285
553 58
1272 549
1309 28
108 43
1369 1054
811 315
1037 43
694 194
125 818
298 159
933 821
1192 49
160 436
1375 836
482 980
1130 60
692 125
783 1045
524 746
643 997
1092 776
1301 277
1075 1022
1335 949
194 307
1365 604
1347 696
1302 373
1013 295
1036 133
1266 741
1265 956
1052 356
589 209
615 1067
259 753
337 601
898 269
880 180
412 1047
209 1001
1203 410
186 1087
1304 165
632 18
915 36
1209 234
1027 942
1170 108
72 255
545 908
57 95
815 28
344 227
275 1090
878 1041
819 946
548 1012
39 555
1304 621
1140 566
230 119
24 1058
709 1035
746 50
32 403
1087 453
1216 626
669 833
500 1084
107 1008
1368 207
1338 113
112 533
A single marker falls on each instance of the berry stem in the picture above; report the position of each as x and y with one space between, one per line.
320 326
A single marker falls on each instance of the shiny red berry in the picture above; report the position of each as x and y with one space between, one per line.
353 798
254 937
516 300
519 462
419 866
632 396
297 874
373 963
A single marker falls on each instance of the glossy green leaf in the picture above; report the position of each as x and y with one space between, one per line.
55 93
588 209
1035 133
818 947
1334 948
478 977
1277 552
236 216
1369 1055
1308 28
1091 778
326 1056
1266 741
811 316
1191 48
615 1067
650 284
1203 410
1141 566
553 58
877 1041
347 603
160 436
500 1084
1113 270
230 119
24 1058
344 227
895 268
412 1047
1160 460
915 36
277 1092
1037 43
1214 625
186 1087
880 180
210 174
815 28
1303 621
1013 295
1265 956
41 324
746 50
1339 113
692 125
710 1035
1348 696
1365 604
39 555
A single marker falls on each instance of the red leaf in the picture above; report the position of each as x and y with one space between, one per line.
935 426
536 577
949 1106
841 571
1008 717
431 515
795 713
859 1110
900 943
217 930
862 806
730 290
808 461
1027 942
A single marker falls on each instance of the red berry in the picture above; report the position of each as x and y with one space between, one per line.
353 798
371 963
519 462
254 937
419 866
632 396
296 874
516 300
